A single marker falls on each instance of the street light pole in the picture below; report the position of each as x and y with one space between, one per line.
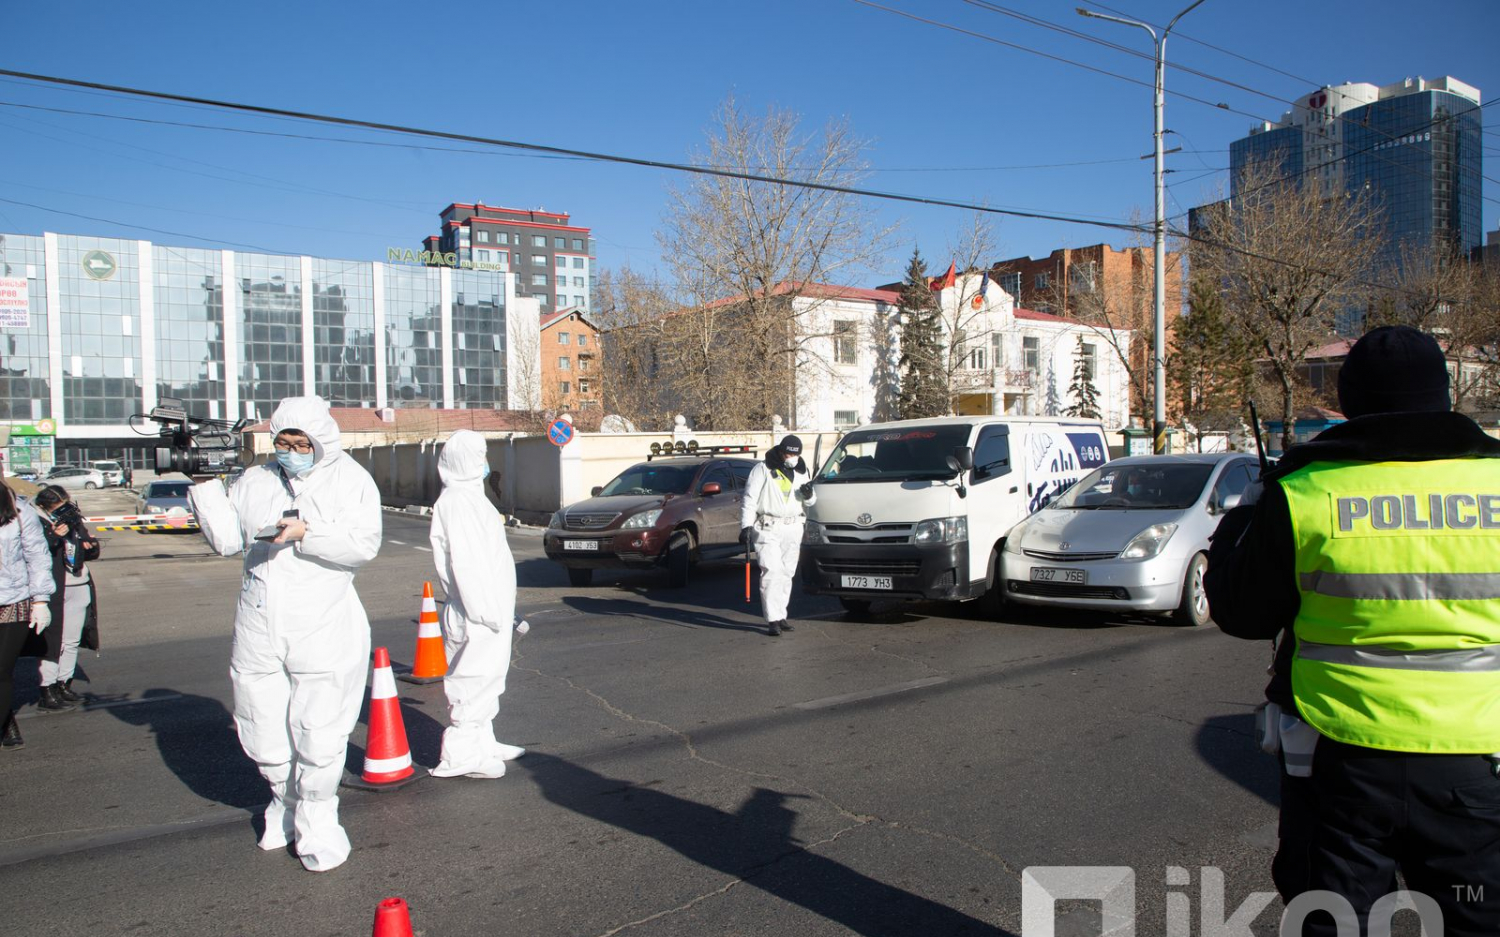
1159 275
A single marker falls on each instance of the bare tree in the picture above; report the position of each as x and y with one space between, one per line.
1290 263
743 252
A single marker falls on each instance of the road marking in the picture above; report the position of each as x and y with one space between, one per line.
399 543
425 549
831 701
88 706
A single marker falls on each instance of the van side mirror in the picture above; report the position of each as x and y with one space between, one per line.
712 488
964 456
594 491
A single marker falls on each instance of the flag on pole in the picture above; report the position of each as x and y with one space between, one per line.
984 284
946 280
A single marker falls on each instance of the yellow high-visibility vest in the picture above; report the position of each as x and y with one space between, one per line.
1398 634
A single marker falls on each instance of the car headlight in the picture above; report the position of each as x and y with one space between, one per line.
941 530
813 532
642 520
555 521
1013 539
1148 542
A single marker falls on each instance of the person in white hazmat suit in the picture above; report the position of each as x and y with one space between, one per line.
474 565
772 516
301 639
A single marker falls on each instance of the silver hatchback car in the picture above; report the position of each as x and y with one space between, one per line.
1131 535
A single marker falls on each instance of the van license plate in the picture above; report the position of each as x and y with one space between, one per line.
866 582
1074 577
581 545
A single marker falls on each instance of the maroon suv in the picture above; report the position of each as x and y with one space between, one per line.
670 511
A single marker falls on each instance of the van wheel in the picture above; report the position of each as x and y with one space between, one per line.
580 577
857 608
1193 610
679 558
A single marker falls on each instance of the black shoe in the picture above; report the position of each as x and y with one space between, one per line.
774 629
786 625
12 737
65 690
52 700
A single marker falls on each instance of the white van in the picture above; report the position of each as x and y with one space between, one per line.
919 509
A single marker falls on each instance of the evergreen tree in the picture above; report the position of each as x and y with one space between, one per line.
924 386
1212 365
1085 395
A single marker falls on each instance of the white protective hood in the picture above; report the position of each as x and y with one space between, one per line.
311 416
463 459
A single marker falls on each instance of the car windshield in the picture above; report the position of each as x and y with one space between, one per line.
1137 487
906 454
170 489
649 479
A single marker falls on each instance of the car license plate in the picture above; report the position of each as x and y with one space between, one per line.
1075 577
581 545
866 582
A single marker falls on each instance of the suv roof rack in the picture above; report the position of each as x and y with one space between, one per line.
691 448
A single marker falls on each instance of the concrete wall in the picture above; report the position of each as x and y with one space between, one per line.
530 477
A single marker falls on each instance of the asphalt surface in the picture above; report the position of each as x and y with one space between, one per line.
686 774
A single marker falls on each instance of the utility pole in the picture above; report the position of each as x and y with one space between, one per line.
1159 321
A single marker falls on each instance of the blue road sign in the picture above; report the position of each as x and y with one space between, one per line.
560 432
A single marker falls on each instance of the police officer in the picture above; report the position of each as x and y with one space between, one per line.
1377 545
771 521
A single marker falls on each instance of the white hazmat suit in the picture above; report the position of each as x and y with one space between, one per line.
301 639
474 565
774 507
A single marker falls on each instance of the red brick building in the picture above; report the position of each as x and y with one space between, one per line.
571 369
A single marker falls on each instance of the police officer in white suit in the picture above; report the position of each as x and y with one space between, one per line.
301 639
772 515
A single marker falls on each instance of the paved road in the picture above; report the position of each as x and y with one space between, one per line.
687 774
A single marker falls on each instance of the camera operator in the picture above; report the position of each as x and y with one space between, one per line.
74 601
301 650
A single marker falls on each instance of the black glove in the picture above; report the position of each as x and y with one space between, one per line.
745 534
806 491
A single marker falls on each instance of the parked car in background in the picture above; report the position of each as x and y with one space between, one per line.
671 511
74 479
113 472
1130 536
165 496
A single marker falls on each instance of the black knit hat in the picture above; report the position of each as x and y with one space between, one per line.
1394 369
791 445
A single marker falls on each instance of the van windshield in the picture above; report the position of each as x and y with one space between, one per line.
906 454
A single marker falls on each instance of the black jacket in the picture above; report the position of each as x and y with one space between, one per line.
88 548
1251 578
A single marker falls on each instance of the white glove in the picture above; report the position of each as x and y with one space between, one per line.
522 626
41 617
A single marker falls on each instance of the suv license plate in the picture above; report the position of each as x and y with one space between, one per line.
581 545
866 582
1075 577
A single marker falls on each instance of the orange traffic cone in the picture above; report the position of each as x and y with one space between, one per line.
387 756
392 919
430 663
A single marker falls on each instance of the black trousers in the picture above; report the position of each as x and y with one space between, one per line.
1434 817
12 639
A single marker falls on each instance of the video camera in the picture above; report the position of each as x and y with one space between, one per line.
197 445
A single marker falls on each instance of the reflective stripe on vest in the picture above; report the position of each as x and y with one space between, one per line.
1398 631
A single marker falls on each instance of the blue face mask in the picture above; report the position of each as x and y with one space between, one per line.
296 463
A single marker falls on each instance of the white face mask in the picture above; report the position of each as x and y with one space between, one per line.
791 461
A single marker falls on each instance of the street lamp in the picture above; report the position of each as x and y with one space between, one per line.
1158 350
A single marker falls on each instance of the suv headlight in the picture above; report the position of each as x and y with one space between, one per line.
812 532
641 520
1148 542
941 530
555 521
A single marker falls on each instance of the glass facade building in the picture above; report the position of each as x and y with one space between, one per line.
111 326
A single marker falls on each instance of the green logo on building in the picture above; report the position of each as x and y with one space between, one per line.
99 265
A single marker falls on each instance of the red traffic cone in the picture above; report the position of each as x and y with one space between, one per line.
392 919
430 663
387 756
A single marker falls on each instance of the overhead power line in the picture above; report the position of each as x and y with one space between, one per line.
567 151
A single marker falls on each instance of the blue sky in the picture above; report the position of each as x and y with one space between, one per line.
949 115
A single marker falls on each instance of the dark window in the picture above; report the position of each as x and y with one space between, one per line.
1234 481
721 475
741 469
991 454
